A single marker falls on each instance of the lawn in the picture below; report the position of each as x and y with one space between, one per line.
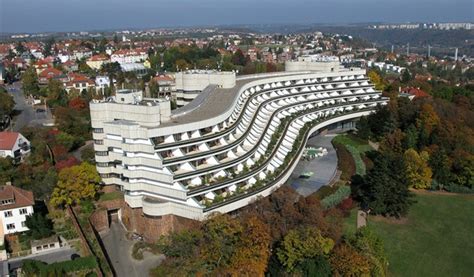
436 238
111 196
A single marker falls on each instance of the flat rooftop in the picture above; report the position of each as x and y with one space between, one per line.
214 101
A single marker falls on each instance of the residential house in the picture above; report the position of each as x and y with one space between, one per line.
125 56
95 62
166 84
14 145
51 73
415 92
70 66
15 205
102 82
79 82
42 64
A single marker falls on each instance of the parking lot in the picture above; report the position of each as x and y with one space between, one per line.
323 168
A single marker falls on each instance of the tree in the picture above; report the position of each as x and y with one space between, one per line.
29 81
77 104
66 140
367 243
428 119
220 236
253 250
154 88
40 226
48 46
392 142
318 266
301 244
75 183
7 104
57 95
441 166
376 79
417 169
406 76
384 188
411 137
238 58
363 128
346 261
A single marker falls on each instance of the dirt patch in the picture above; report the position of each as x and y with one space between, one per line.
390 220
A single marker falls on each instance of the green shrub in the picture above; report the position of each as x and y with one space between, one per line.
325 191
345 162
37 268
359 163
334 199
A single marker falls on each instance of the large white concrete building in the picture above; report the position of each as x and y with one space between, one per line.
230 145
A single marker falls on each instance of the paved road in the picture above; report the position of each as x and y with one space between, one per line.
27 114
63 254
119 250
323 167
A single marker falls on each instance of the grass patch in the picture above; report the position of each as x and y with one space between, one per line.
434 240
111 196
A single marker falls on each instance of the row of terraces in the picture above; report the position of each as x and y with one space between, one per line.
275 89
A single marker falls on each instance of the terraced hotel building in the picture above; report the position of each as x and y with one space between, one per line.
225 148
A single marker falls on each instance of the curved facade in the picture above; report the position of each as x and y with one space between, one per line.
221 152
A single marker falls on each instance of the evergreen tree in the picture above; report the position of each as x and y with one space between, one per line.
384 188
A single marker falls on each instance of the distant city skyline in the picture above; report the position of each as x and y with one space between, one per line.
17 16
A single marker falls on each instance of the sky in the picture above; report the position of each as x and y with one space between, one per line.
76 15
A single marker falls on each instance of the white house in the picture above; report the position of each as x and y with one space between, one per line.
103 82
13 144
126 56
15 205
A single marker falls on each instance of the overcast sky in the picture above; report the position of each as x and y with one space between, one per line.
74 15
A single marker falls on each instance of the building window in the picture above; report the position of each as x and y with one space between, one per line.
8 213
23 224
11 226
23 211
38 248
98 130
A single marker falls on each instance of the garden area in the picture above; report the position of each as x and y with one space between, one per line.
351 155
434 239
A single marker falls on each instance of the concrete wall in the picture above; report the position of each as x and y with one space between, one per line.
198 80
312 66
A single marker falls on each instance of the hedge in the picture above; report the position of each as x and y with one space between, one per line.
38 268
337 197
